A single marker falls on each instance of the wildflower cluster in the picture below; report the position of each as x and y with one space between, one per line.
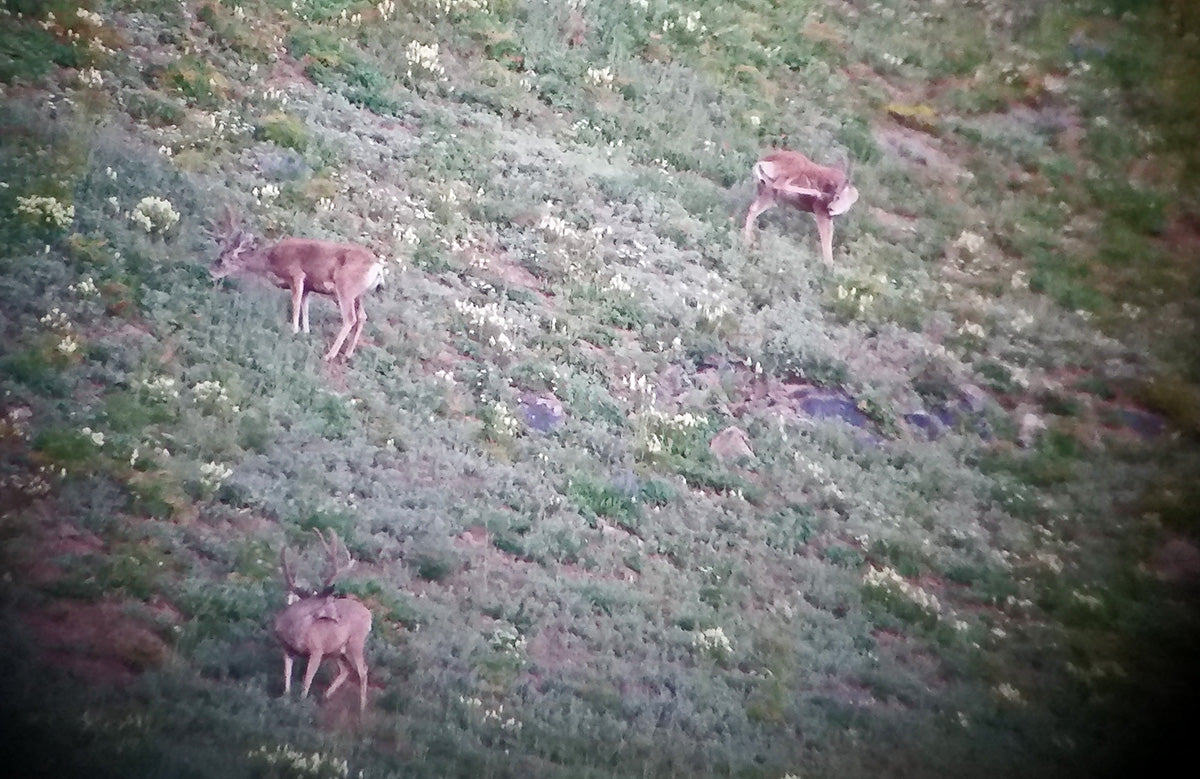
160 389
684 21
90 17
265 194
209 129
213 475
287 761
588 132
501 425
32 484
84 288
496 717
490 716
424 60
68 345
857 293
555 227
888 581
95 436
600 77
712 642
969 244
154 214
619 284
212 396
659 432
1009 693
642 392
506 638
672 19
710 305
459 7
45 211
57 322
91 78
971 330
15 424
487 320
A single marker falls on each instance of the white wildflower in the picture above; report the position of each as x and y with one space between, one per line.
46 211
154 214
712 641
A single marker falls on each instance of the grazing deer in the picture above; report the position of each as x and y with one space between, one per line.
789 178
343 271
321 624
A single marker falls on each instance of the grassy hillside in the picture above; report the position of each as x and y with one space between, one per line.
960 539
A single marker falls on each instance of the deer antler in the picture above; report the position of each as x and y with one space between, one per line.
224 226
335 568
288 578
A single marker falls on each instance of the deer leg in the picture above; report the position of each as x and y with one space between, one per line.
305 299
825 231
360 318
314 662
297 303
343 672
287 673
759 205
347 308
357 657
360 668
362 683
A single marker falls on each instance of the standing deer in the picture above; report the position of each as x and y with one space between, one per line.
789 178
321 624
343 271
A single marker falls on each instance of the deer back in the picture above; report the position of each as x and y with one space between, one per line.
325 266
795 180
322 624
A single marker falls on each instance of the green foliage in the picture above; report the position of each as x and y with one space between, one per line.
435 566
598 499
283 130
336 66
196 81
154 108
29 52
36 369
62 447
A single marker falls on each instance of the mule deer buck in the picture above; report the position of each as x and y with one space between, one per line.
320 624
789 178
342 271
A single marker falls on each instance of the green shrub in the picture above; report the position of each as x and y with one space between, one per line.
197 81
283 130
154 108
29 52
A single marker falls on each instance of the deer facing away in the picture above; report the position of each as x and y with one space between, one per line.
342 271
321 624
789 178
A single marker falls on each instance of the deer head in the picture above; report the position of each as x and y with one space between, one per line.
236 244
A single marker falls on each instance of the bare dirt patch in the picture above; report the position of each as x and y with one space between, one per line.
99 642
